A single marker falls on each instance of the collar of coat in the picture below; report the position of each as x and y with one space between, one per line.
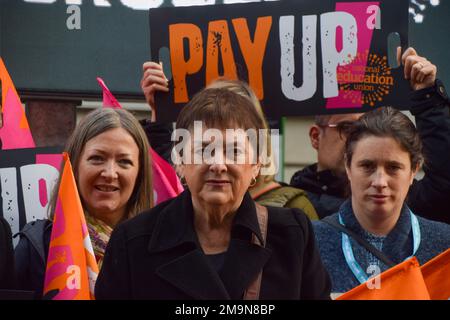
397 245
190 270
175 224
321 182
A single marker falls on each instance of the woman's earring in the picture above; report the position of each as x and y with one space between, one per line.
252 182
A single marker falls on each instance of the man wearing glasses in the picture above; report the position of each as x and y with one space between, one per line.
326 182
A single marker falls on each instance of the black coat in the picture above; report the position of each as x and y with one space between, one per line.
427 197
6 256
156 255
31 256
159 136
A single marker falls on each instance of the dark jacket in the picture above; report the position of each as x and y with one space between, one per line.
159 136
427 197
325 190
156 255
6 256
397 245
31 256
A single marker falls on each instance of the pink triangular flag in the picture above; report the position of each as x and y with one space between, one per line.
166 183
15 133
109 101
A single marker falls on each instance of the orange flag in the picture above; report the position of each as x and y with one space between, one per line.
15 132
436 274
401 282
71 269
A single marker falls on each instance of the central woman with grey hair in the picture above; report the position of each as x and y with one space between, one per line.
213 241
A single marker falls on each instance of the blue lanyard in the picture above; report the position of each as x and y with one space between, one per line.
350 258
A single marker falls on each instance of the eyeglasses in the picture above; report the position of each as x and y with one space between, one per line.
344 127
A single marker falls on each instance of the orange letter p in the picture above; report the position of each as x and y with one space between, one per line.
181 67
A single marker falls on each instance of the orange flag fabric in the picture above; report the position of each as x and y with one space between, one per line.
436 274
15 132
401 282
71 269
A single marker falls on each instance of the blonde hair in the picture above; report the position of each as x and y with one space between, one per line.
97 122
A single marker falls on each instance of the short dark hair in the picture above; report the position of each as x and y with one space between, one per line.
219 108
386 122
222 109
242 88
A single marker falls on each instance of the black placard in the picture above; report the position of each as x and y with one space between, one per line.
300 57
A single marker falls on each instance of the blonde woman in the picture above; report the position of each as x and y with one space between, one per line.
109 153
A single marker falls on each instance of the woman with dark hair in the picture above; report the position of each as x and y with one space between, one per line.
383 153
110 157
213 241
266 190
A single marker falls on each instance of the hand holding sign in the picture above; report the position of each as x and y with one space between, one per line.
153 79
420 72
